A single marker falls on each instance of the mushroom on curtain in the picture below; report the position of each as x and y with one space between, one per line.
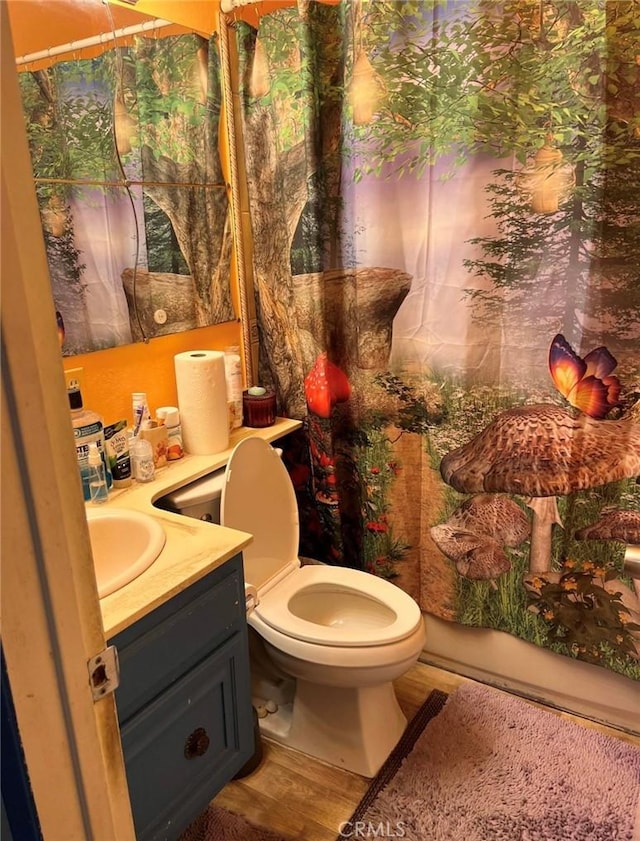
412 288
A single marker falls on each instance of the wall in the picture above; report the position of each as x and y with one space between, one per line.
109 376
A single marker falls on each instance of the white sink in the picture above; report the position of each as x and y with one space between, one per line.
124 544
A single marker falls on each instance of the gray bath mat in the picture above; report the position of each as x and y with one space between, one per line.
490 767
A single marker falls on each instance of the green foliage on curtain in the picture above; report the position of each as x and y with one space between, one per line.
122 145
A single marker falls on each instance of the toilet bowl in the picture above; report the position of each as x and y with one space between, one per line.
332 639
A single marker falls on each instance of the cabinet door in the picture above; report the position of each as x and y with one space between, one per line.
162 647
182 748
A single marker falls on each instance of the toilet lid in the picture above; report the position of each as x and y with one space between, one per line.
258 497
341 607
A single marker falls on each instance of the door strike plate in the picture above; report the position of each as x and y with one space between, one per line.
104 672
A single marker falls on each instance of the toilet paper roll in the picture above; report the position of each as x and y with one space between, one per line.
202 398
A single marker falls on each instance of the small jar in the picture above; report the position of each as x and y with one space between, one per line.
258 407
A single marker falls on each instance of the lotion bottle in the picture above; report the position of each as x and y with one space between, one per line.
117 450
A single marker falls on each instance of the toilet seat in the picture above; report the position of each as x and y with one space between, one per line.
340 607
325 605
258 498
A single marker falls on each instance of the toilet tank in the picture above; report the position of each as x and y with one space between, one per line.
199 499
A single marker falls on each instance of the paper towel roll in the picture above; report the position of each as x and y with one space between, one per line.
202 398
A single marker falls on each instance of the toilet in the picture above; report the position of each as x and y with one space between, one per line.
327 641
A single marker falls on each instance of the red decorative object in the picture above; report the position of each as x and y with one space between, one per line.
324 386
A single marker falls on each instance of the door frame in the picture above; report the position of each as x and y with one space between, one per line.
51 622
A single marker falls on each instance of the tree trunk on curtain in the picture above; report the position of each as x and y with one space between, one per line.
271 226
324 45
199 214
155 291
280 189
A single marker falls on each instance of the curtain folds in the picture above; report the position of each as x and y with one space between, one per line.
445 219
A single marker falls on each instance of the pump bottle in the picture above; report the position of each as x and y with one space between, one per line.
98 491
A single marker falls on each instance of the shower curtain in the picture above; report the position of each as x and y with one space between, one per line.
445 220
131 190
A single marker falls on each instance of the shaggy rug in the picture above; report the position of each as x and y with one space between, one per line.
217 824
482 765
490 767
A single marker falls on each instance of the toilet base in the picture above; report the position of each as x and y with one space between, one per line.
354 729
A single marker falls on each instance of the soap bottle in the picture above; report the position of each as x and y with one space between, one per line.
87 428
233 377
97 477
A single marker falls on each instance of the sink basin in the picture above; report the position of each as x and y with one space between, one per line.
124 544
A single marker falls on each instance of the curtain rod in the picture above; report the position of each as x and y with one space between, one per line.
93 41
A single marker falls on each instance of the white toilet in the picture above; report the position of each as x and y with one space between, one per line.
342 634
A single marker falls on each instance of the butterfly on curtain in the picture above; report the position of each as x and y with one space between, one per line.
585 382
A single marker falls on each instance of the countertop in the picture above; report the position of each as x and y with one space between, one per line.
193 548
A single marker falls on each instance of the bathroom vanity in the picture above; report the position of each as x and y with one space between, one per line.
184 697
184 701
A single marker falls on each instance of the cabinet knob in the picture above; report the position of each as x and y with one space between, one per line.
197 743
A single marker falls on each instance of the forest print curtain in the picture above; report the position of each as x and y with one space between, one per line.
132 195
446 230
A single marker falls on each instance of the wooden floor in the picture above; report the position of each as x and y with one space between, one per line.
303 798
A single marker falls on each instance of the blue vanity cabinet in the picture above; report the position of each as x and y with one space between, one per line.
184 702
